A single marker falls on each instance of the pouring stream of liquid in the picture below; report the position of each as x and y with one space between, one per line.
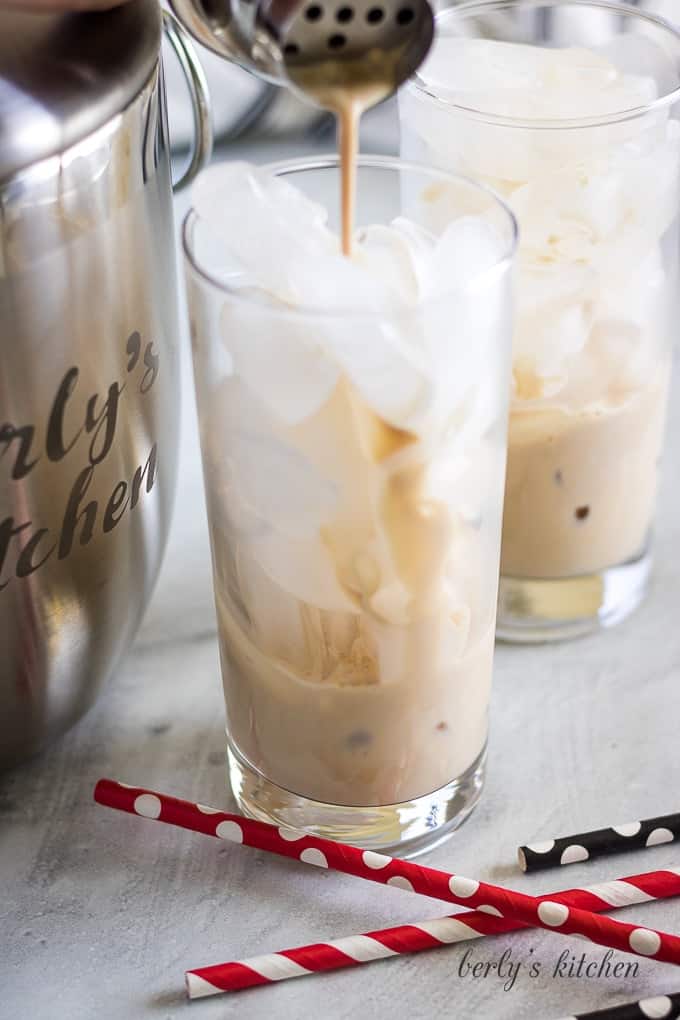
348 118
348 90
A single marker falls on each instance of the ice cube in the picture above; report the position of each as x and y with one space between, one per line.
464 255
648 305
553 320
279 358
397 257
267 481
333 283
458 65
639 55
280 239
414 264
601 210
593 203
517 80
386 366
512 79
282 621
624 355
443 136
400 354
272 499
432 354
649 210
303 568
392 603
565 83
276 485
618 356
242 195
265 222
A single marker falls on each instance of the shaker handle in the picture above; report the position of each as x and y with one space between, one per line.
198 93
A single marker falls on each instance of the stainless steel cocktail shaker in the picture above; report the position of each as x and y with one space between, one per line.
322 42
89 384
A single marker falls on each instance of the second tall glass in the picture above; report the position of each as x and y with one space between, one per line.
568 109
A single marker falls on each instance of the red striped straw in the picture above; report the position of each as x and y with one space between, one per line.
415 937
324 853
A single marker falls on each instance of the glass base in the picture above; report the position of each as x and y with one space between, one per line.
401 830
534 610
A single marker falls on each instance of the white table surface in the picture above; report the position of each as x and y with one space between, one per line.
100 913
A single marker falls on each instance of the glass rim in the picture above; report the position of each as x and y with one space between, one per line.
419 86
329 162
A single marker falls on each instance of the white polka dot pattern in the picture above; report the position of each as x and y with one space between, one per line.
542 848
658 836
310 855
148 805
230 830
399 882
553 914
644 941
291 835
629 829
599 843
375 861
463 887
523 909
657 1008
205 810
573 854
486 909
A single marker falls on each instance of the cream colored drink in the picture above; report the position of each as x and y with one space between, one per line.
354 451
597 207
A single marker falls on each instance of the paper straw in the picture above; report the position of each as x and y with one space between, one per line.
660 1007
415 937
599 843
351 860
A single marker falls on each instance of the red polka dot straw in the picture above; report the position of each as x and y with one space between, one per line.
528 910
413 938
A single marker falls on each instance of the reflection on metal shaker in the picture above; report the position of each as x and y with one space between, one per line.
89 374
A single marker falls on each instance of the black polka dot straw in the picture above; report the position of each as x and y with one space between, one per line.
661 1007
599 843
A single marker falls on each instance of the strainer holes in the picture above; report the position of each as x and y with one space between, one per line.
375 15
336 42
405 16
314 12
344 15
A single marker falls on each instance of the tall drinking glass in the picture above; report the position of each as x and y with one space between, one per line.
354 468
569 110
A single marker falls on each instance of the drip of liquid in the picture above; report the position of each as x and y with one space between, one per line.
348 118
349 88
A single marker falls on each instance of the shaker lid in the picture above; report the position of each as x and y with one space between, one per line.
62 76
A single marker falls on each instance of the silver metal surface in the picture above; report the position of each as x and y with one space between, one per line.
64 75
200 99
346 29
89 409
278 38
